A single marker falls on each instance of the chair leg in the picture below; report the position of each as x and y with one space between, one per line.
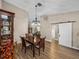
43 49
31 47
22 48
25 49
39 51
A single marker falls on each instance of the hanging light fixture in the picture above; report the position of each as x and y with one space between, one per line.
36 21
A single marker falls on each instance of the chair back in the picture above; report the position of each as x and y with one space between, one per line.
23 41
26 35
42 42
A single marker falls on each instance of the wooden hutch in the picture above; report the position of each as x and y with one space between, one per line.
6 34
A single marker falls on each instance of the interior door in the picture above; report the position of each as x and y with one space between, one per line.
65 33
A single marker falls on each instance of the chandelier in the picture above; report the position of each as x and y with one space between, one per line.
36 21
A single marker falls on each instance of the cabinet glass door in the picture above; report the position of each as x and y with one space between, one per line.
5 29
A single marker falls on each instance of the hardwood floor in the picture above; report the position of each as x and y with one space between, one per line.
52 51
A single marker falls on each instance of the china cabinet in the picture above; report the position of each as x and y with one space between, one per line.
6 34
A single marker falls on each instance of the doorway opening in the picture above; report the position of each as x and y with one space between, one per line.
55 32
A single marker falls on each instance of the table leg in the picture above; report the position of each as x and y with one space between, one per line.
33 51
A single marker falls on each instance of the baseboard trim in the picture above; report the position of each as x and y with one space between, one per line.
75 48
70 47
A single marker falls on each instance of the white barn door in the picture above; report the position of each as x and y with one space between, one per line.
65 33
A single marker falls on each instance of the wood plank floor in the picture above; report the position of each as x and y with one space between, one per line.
52 51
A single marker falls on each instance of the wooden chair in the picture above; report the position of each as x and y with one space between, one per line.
41 44
24 44
29 36
26 35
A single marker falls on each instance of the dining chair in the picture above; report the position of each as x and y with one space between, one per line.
24 44
26 35
41 44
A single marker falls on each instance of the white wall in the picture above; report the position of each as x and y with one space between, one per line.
45 28
20 20
71 16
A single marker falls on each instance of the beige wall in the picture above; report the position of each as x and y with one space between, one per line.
0 3
20 20
71 16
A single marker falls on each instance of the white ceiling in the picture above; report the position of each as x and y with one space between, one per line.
48 6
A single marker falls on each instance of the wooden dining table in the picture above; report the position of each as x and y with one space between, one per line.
33 42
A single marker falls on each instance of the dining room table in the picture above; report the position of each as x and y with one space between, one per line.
33 42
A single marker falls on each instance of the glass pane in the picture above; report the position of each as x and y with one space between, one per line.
4 17
5 30
5 23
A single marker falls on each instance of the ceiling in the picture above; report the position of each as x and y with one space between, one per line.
48 6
